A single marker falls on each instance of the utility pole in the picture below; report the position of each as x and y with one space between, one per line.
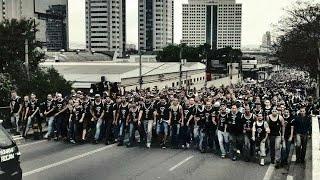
26 54
180 69
140 68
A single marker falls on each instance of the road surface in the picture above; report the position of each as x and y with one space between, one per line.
61 161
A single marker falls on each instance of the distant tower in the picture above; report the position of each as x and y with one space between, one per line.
266 41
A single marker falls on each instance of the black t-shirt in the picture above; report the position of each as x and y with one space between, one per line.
33 105
208 114
302 125
97 108
77 113
109 107
86 109
15 104
176 115
163 112
134 114
200 116
248 123
148 110
60 105
48 106
288 123
222 121
235 123
123 112
275 126
188 111
267 111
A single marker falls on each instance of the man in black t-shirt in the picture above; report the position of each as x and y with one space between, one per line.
109 118
163 121
15 110
49 107
33 113
235 128
147 118
288 136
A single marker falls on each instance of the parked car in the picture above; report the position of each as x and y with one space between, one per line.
9 157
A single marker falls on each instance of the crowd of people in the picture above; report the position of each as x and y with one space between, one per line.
238 121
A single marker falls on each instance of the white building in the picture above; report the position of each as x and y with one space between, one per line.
127 74
216 22
106 25
10 9
156 24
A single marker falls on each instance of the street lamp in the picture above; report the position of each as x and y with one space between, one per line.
140 68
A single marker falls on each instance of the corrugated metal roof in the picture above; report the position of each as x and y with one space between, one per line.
114 72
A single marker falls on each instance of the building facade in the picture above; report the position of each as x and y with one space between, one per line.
216 22
49 15
10 9
106 26
156 24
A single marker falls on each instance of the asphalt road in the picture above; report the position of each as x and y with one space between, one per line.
43 160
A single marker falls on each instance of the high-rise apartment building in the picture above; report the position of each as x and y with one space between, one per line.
10 9
216 22
106 26
156 24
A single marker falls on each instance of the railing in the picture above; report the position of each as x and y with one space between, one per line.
315 147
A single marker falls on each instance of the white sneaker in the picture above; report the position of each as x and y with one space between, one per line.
238 151
188 146
262 162
148 145
223 156
182 146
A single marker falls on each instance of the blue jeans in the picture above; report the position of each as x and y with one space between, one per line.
58 125
285 151
163 127
72 130
120 130
147 127
176 135
98 129
50 121
202 139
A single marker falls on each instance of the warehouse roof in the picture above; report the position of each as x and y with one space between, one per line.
89 72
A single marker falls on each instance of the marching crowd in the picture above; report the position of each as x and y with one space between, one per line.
237 121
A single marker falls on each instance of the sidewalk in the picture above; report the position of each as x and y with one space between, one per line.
315 148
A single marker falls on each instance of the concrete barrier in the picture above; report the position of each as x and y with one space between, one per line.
315 148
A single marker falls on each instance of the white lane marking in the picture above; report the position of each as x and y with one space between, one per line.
66 161
33 143
289 177
180 163
269 172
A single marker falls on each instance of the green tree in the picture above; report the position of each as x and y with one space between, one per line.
299 31
12 62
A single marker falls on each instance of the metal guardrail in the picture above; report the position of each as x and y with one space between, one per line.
315 148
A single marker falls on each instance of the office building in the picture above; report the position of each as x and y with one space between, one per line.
216 22
156 24
49 15
106 26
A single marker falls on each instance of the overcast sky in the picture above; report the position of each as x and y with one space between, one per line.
257 18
